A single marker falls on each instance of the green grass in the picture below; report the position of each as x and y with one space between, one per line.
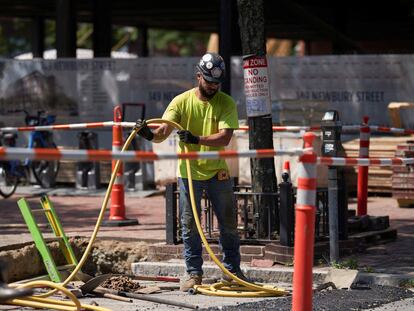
350 263
407 283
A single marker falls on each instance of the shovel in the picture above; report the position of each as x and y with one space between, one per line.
151 299
90 286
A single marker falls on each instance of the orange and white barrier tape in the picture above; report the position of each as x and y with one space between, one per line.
393 130
334 161
78 126
74 126
382 129
287 128
8 153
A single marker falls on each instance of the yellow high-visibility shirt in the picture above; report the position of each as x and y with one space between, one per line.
202 119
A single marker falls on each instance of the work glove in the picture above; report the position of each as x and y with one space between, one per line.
188 138
144 131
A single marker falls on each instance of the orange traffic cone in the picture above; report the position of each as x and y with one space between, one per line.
286 171
117 210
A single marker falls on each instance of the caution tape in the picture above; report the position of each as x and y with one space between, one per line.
9 153
376 128
73 126
393 130
79 126
336 161
287 128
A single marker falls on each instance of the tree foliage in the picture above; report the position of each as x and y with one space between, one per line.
15 39
177 43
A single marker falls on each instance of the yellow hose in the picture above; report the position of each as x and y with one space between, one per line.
256 289
218 289
37 302
58 286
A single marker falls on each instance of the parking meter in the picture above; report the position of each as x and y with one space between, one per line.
337 195
331 134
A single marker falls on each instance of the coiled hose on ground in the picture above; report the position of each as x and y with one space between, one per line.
225 289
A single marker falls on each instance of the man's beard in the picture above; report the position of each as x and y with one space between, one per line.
205 93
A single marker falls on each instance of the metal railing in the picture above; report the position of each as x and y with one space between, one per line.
248 217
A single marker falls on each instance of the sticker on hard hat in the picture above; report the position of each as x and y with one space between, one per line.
207 57
216 72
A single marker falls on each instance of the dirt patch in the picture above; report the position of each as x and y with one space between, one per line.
107 256
122 283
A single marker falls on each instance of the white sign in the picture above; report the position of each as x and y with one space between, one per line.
256 86
355 85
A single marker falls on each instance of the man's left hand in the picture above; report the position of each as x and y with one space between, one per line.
188 138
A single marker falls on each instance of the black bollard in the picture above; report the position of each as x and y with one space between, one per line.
286 211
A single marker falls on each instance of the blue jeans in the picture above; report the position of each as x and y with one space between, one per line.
220 193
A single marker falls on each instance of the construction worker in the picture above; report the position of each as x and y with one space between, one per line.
208 117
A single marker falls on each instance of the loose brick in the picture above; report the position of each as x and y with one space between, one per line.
246 258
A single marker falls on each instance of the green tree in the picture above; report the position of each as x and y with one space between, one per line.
14 37
177 43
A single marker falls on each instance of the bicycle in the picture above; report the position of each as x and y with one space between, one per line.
44 171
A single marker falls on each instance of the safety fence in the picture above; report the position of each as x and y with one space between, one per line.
275 128
9 153
307 198
305 214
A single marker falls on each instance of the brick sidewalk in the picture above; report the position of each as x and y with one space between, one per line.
396 257
78 216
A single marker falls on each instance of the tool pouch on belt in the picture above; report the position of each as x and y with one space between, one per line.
223 175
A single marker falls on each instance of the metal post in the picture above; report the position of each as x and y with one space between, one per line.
65 28
286 211
333 214
365 134
171 214
331 134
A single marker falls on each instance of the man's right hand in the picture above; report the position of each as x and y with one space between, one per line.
144 130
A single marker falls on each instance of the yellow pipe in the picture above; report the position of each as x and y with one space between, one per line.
87 250
257 290
262 290
37 302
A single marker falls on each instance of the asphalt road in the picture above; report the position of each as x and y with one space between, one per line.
336 300
375 298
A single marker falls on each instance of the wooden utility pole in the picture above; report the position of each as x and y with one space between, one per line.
252 32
